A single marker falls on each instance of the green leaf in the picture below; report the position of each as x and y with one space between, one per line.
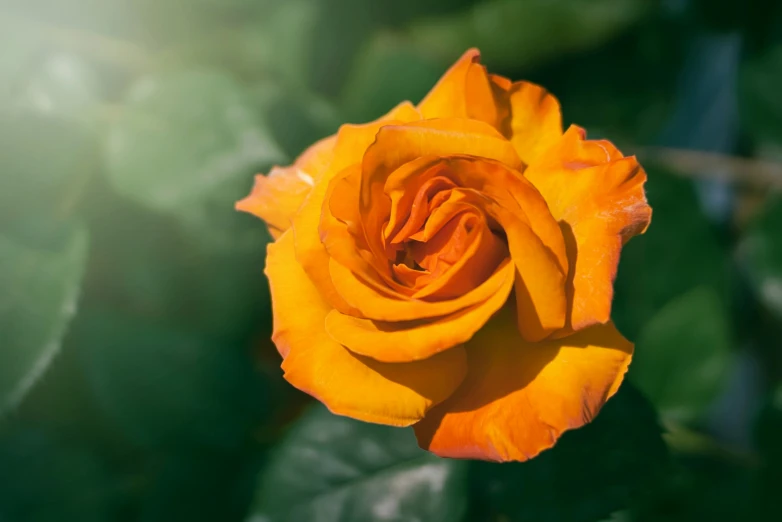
521 34
760 83
590 473
387 71
681 251
188 143
332 468
683 354
760 256
44 480
40 289
166 388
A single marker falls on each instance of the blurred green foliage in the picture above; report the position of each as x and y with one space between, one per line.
137 378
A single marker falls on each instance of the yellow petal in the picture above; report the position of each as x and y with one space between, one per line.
535 120
535 240
382 304
415 340
448 98
598 198
276 198
351 142
518 398
348 384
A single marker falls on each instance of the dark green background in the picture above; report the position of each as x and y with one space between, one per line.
137 381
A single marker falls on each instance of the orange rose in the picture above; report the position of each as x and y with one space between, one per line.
450 266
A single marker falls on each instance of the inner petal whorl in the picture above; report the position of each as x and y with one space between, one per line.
444 247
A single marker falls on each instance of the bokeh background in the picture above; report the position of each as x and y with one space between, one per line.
137 380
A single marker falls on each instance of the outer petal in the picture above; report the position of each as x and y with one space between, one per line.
535 120
359 387
415 340
463 92
598 198
525 113
276 197
518 398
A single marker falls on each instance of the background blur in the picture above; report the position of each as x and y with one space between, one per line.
137 382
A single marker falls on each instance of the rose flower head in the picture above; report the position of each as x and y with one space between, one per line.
450 266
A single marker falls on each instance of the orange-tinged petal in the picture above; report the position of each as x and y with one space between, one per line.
536 242
310 252
528 115
535 120
348 384
540 283
351 142
518 398
396 145
382 304
415 340
342 233
598 198
457 268
448 98
276 197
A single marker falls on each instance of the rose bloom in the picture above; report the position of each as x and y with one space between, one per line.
450 266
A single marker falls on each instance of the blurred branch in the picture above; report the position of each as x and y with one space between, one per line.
103 48
758 174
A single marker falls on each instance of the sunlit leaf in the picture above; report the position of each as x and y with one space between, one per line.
40 285
332 468
188 143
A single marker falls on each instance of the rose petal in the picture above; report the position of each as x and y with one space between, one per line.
525 113
518 398
382 304
535 120
454 268
352 141
396 145
598 198
348 384
415 340
535 239
462 91
276 197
